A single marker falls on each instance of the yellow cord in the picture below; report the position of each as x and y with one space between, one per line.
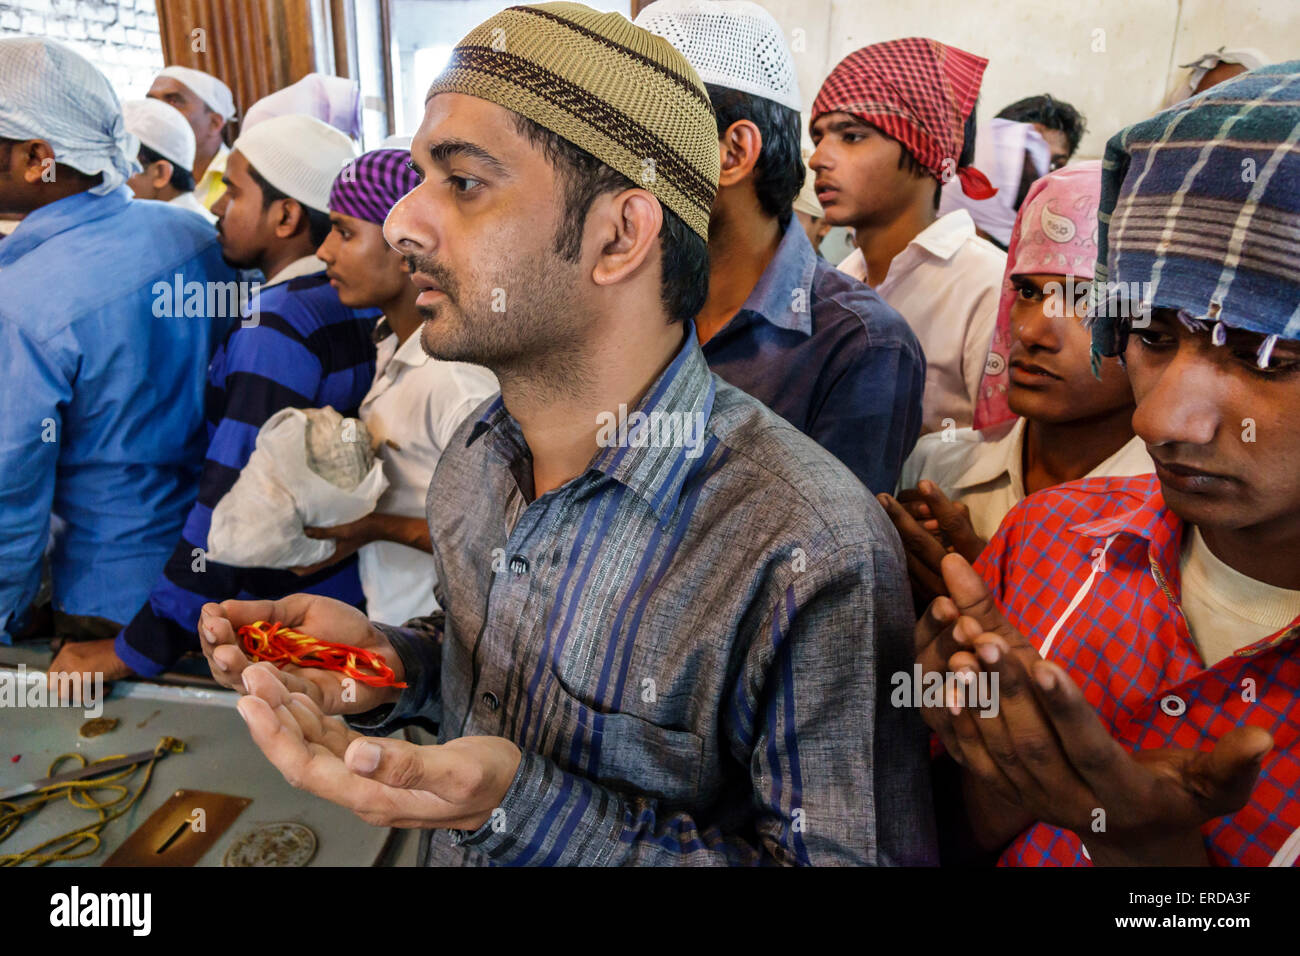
79 794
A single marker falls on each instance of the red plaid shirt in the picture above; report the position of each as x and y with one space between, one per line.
1091 570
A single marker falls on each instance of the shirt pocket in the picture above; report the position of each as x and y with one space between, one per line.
638 758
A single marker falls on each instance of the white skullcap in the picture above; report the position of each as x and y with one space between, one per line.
298 155
49 92
205 86
331 99
162 128
731 43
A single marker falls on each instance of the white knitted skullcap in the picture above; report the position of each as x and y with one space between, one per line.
806 201
205 86
298 155
731 43
162 128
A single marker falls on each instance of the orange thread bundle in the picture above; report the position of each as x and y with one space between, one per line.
282 645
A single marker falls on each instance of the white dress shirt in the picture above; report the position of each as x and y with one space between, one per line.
946 284
190 201
414 405
984 469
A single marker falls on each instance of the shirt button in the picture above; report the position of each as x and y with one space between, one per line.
490 701
1173 705
519 564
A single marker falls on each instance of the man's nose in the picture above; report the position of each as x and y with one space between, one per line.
1183 405
409 227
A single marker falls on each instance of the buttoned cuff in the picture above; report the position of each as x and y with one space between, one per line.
526 823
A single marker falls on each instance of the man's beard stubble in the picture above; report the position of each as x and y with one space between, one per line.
532 338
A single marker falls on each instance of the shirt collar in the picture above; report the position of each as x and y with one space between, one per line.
684 391
60 216
945 235
783 295
1153 521
307 265
997 457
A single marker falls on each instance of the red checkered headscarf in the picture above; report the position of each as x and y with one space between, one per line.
919 92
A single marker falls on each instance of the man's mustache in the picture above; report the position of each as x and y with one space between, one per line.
435 271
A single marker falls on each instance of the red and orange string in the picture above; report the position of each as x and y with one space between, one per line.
282 645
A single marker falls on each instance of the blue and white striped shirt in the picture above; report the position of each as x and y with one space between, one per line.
306 350
690 643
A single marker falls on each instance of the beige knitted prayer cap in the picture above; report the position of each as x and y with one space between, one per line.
610 88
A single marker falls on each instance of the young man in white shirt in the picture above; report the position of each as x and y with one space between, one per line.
888 126
1052 420
166 155
415 403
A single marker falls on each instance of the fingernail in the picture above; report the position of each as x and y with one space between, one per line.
365 759
219 666
239 706
208 635
989 653
1046 679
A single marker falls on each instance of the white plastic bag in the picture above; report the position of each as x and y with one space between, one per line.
259 522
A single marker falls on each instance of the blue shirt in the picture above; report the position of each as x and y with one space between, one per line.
693 675
828 355
306 350
101 419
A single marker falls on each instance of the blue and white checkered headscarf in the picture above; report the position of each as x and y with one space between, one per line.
49 92
1200 210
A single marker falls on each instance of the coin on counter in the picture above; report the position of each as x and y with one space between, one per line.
274 844
97 726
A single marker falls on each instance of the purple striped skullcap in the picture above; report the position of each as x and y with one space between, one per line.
370 185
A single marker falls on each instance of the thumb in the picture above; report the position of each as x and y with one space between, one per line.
1224 778
395 763
320 534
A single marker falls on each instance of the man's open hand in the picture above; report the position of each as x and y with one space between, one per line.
386 782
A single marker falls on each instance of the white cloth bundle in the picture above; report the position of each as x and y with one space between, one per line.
309 468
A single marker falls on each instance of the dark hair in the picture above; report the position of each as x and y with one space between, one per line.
909 162
182 180
684 284
1050 112
779 172
318 223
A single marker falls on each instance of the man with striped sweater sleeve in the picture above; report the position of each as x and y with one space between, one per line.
296 347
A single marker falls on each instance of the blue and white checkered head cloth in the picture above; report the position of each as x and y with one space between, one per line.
49 92
1200 211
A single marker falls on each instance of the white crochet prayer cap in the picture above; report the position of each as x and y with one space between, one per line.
731 43
205 86
298 155
162 128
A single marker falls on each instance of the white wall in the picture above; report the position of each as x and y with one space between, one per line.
1113 59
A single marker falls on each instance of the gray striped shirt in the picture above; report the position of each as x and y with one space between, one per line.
691 643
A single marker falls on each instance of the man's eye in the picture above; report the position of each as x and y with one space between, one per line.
1028 293
463 184
1277 364
1153 340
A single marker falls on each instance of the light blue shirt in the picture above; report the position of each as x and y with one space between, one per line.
101 401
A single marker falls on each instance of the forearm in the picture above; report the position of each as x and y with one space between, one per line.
419 649
412 532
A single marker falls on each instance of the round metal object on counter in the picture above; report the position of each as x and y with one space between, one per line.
273 844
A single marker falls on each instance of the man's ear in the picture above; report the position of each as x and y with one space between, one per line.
634 217
160 173
215 122
292 217
738 148
38 157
